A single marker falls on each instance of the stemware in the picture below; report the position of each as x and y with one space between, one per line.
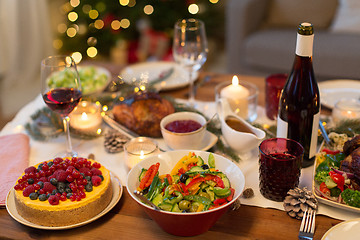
190 48
61 99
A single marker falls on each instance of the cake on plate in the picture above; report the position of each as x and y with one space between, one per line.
63 191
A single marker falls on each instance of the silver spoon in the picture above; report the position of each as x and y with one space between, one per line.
147 201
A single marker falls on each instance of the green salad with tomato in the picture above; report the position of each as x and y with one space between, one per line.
191 186
332 183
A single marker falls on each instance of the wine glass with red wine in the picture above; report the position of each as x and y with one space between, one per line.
61 99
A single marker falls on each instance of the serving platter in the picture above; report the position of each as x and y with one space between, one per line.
315 186
117 193
177 78
333 90
346 230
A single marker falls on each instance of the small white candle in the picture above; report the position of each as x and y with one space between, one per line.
86 117
138 149
346 109
237 96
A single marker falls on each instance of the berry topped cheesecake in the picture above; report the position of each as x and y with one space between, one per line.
63 191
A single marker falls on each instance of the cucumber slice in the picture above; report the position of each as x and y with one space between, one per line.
176 178
211 161
157 199
226 182
222 192
200 161
142 174
196 169
165 206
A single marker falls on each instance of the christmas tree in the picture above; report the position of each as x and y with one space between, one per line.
94 27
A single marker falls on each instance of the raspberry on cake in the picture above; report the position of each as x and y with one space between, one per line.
63 191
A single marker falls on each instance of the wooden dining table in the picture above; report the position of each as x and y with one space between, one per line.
127 220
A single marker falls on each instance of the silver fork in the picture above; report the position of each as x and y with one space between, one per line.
307 227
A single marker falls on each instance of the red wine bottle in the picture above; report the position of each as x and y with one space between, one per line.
62 100
299 105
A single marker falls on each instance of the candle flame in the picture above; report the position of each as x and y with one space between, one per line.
235 80
142 154
84 116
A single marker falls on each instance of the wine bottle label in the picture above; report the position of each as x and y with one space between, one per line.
304 45
282 132
314 135
282 128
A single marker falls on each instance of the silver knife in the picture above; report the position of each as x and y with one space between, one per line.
117 126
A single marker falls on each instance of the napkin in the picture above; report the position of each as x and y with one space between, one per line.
14 158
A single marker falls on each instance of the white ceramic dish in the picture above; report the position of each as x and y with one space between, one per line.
334 90
210 140
349 230
327 201
177 79
11 208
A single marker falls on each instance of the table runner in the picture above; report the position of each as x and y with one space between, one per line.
42 151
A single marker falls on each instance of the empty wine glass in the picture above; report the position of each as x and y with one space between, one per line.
61 99
190 48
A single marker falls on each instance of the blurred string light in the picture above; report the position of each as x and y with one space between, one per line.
115 24
100 6
77 56
124 2
62 28
91 41
92 52
86 8
71 32
148 9
99 24
58 43
72 16
125 23
214 1
93 14
132 3
74 3
193 8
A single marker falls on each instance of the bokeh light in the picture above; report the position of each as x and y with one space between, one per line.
57 44
62 28
77 56
101 6
214 1
125 23
132 3
91 52
74 3
124 2
86 8
72 16
99 24
115 24
193 8
148 9
93 14
91 41
71 32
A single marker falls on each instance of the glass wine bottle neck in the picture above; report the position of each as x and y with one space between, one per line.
305 40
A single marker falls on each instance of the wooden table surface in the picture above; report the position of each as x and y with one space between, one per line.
128 221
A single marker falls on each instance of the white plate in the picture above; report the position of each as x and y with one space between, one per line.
152 70
327 201
117 193
334 90
210 140
348 230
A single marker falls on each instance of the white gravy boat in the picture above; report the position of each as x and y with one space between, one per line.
241 141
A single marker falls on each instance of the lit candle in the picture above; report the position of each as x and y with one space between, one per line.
346 109
237 96
138 149
86 117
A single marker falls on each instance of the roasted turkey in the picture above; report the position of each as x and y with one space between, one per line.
143 112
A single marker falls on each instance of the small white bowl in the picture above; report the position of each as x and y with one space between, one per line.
191 140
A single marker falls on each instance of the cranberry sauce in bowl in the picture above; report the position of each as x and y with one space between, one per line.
183 130
183 126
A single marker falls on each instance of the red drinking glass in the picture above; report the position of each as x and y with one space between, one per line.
280 167
273 87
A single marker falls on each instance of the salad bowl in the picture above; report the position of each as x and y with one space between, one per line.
186 223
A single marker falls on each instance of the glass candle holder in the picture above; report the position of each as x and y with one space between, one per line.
242 97
346 109
273 86
86 117
137 149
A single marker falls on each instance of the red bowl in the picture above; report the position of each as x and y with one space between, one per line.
186 224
